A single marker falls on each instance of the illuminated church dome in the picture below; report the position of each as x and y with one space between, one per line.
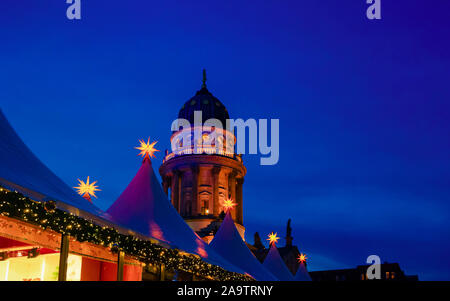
202 169
205 102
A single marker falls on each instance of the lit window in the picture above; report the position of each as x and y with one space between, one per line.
205 208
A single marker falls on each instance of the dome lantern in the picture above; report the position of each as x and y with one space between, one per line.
208 104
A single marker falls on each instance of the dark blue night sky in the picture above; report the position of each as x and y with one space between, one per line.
363 106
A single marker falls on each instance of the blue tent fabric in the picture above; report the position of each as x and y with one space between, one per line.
143 207
229 244
302 273
21 170
275 264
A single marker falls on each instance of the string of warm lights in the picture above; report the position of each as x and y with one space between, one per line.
47 216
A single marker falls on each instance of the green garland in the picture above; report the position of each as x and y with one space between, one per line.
45 215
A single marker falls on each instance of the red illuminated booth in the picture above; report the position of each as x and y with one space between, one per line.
39 258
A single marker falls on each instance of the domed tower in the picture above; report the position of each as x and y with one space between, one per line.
197 176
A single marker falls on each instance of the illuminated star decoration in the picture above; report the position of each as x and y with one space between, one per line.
87 189
302 258
273 238
228 205
147 149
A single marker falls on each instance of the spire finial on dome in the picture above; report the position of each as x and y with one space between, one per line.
204 78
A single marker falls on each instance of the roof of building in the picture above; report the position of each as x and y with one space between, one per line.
355 274
228 243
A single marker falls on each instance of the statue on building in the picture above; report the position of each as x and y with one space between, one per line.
289 237
257 241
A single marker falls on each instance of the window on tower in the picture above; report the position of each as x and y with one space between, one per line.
205 208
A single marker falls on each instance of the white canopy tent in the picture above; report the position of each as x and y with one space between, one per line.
229 244
275 264
302 273
144 207
21 170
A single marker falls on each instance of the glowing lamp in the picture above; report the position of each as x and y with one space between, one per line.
147 149
273 238
87 189
302 258
228 205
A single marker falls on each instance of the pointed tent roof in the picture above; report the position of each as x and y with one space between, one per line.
144 207
302 273
21 170
275 264
229 244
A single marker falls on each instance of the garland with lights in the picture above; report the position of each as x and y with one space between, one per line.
13 204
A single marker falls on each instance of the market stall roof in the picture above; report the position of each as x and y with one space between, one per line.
275 264
302 273
21 170
144 207
229 244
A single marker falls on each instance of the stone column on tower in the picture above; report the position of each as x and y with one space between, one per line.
165 184
232 190
195 205
215 175
176 189
232 185
239 201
